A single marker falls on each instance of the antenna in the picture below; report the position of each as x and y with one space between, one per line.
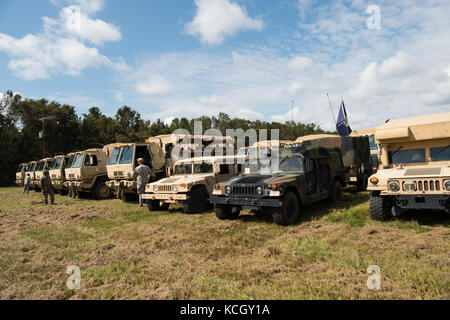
331 107
292 129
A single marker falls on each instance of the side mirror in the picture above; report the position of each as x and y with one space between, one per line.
374 162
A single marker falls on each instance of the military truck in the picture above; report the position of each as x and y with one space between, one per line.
20 173
57 174
375 150
355 154
305 174
31 167
245 151
39 173
415 166
85 173
156 152
192 183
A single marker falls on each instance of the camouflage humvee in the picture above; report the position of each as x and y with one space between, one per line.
156 152
191 184
355 154
57 174
305 174
39 172
415 166
85 173
20 173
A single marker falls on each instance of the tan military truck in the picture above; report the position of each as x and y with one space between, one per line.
192 183
375 149
156 152
57 174
85 173
31 170
20 173
415 166
39 172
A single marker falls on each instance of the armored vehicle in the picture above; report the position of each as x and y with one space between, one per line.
57 174
156 152
20 173
304 175
39 173
375 150
192 183
85 173
355 154
415 166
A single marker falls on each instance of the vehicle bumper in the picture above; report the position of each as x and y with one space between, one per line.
423 202
166 196
19 182
247 202
58 185
128 186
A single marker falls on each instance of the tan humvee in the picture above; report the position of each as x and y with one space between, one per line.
156 152
415 166
86 173
39 172
57 174
20 173
375 149
192 183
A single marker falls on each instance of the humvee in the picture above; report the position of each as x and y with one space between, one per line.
57 174
305 174
156 152
39 172
415 166
375 150
355 154
191 184
85 173
20 173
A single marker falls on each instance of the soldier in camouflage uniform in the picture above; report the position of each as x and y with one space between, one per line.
142 173
47 188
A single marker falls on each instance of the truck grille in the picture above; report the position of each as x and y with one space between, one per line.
424 185
72 175
118 173
243 190
164 188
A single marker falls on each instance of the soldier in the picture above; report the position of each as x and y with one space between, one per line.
142 172
47 188
26 184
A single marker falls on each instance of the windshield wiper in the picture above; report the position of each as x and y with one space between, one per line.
398 149
443 150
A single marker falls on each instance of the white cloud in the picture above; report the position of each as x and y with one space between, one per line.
301 63
217 19
90 6
295 87
154 85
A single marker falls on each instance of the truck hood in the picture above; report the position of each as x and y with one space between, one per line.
183 179
263 179
415 171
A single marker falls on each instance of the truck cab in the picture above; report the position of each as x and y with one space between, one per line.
39 172
304 175
192 183
415 166
20 174
57 174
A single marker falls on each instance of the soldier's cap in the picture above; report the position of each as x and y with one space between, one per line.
140 160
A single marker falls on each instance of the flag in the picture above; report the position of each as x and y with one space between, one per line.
342 125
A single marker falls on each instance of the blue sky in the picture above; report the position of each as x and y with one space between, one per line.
248 58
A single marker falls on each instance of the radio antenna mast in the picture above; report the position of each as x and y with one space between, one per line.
331 108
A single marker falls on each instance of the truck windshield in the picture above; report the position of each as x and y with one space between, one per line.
70 161
204 167
19 169
185 168
77 161
127 155
57 164
40 166
440 153
400 156
114 156
285 164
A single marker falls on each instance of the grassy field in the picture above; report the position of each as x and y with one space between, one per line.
125 252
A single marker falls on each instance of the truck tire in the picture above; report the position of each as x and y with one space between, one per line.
224 212
101 191
127 197
380 207
153 205
362 184
197 201
336 191
288 213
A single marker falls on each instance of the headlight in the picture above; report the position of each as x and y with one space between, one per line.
447 185
228 190
394 186
259 190
175 188
155 188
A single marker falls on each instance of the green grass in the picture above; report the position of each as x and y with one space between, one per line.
126 252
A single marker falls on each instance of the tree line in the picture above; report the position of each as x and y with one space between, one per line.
22 120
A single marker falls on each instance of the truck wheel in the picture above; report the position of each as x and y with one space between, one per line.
336 191
288 213
362 184
101 191
380 207
197 201
127 197
224 212
153 205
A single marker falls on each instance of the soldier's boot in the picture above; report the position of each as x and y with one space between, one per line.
141 201
52 197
